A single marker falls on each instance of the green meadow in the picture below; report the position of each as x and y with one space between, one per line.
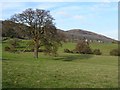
21 70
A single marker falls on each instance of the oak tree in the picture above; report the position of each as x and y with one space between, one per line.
39 26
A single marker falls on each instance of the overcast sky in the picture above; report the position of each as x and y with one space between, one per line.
99 17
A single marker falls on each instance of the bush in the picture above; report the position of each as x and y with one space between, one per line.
83 48
97 52
115 52
4 38
7 48
67 51
10 49
86 50
74 51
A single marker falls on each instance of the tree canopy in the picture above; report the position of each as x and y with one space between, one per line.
39 26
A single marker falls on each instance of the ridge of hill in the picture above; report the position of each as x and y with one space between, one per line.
80 34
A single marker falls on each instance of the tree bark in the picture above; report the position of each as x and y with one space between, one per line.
36 49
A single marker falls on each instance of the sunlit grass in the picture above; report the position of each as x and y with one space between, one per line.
21 70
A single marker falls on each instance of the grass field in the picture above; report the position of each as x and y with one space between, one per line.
21 70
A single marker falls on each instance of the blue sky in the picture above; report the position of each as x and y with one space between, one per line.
99 17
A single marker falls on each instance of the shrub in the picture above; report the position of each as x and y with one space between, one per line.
10 49
97 52
7 48
86 50
74 51
115 52
67 51
4 38
83 47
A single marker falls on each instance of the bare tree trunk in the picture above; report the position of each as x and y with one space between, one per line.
36 49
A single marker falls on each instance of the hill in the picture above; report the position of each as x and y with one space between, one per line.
79 34
71 35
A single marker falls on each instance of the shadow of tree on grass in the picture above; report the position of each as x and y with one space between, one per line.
5 59
74 57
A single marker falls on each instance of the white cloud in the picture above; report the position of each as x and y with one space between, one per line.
78 17
66 11
103 6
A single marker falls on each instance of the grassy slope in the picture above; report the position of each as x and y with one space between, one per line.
104 47
66 70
